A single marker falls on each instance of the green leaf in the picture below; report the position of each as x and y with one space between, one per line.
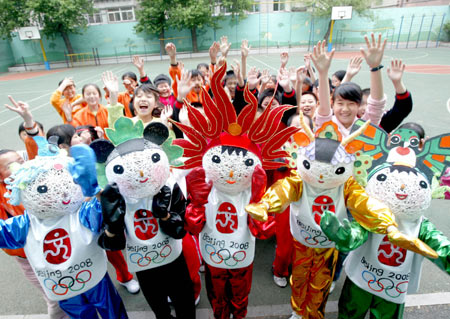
124 130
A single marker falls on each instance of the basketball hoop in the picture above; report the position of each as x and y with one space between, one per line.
29 33
341 13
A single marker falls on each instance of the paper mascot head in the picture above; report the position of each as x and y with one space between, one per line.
137 160
44 185
229 147
399 173
324 160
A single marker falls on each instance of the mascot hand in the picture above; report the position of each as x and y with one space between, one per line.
83 169
113 209
258 211
259 182
410 243
161 202
347 236
197 187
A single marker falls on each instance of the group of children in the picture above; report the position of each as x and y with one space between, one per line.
189 169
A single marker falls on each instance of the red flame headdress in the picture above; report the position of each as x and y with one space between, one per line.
222 126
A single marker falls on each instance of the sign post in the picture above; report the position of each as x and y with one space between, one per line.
338 13
32 33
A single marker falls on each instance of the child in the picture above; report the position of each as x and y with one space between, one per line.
64 106
162 83
347 97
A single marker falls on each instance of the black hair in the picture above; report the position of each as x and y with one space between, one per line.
204 65
5 151
162 78
365 91
330 85
402 168
195 73
64 132
229 75
308 82
94 85
130 75
414 127
348 91
339 74
90 129
22 126
59 83
268 93
150 88
231 149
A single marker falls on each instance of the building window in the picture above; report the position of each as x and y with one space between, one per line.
255 7
121 14
278 5
95 18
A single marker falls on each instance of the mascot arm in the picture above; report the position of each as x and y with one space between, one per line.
195 218
173 225
368 212
83 169
14 231
91 215
376 217
346 235
437 241
262 230
277 198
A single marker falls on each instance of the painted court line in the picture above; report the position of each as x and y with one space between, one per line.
48 103
432 299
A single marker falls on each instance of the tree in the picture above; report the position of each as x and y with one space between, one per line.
13 14
152 18
61 17
323 9
57 17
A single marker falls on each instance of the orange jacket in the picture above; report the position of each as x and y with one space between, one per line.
86 117
58 102
124 98
7 211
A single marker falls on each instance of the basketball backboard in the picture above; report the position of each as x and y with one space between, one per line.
29 33
341 13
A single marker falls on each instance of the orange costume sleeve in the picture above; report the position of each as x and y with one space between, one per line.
174 72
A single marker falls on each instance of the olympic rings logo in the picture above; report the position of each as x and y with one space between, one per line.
151 257
224 255
67 283
386 284
314 240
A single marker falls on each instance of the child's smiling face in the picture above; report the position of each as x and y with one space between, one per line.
345 111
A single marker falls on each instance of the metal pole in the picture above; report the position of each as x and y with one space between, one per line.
46 63
420 29
65 57
93 55
440 30
410 27
399 31
429 31
24 64
330 43
98 57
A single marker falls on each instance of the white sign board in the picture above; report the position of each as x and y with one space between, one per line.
29 33
341 13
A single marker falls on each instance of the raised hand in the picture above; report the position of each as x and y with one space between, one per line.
245 48
284 80
252 78
320 58
375 50
354 66
138 62
197 187
265 77
224 46
284 58
214 49
23 109
65 83
183 116
185 85
300 73
166 114
67 109
237 71
395 71
110 81
171 51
